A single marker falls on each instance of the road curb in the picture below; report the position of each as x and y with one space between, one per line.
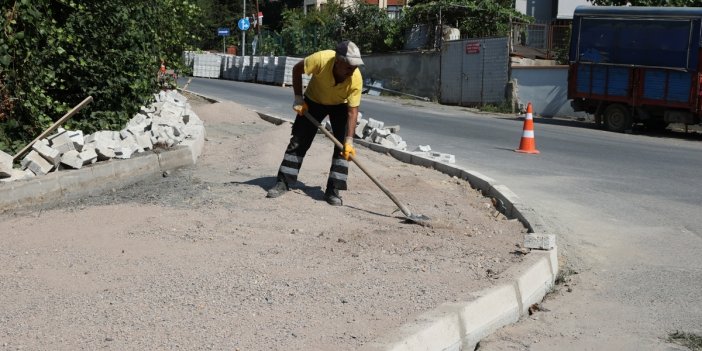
461 325
95 178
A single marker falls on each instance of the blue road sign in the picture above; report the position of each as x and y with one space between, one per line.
244 24
223 32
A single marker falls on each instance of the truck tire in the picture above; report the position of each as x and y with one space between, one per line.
617 118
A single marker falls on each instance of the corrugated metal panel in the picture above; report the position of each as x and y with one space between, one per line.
451 72
618 84
679 86
654 85
474 71
473 54
495 70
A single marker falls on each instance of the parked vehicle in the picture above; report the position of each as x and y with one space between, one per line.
636 65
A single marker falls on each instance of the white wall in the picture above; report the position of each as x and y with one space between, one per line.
547 89
567 7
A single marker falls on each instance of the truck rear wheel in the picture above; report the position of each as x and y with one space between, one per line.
617 118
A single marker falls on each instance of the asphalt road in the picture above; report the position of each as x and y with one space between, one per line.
626 209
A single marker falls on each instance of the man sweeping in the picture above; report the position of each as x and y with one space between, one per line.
335 91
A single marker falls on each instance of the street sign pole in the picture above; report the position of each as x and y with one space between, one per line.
224 33
243 34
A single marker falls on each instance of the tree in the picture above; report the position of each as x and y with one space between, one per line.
666 3
370 28
474 18
303 34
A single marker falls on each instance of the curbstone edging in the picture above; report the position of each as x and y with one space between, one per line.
99 176
459 326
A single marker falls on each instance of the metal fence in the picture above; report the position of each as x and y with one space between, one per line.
549 38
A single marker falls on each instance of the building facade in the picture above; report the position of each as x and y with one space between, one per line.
392 7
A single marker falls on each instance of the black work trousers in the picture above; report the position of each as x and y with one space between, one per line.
303 133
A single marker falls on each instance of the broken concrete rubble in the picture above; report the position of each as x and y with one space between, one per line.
72 159
47 152
375 132
5 165
165 123
37 164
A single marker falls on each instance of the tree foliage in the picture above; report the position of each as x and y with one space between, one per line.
54 53
664 3
303 33
366 25
370 28
474 18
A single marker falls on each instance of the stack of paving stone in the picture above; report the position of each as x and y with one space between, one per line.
163 124
245 74
264 73
377 132
188 58
207 66
283 72
230 70
279 75
270 69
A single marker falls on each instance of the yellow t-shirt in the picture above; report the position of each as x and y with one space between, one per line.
322 88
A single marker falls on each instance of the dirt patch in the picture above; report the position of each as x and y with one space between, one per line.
200 259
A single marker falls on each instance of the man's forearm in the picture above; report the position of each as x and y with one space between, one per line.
352 121
297 72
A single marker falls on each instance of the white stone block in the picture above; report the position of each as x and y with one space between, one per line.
540 241
448 158
15 174
423 148
147 109
360 128
6 160
88 156
396 139
76 137
172 111
372 123
387 143
50 154
123 152
138 119
72 159
393 129
144 141
37 164
89 146
105 153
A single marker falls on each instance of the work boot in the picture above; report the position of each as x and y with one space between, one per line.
280 188
332 197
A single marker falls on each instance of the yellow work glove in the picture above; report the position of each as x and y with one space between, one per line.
299 105
348 149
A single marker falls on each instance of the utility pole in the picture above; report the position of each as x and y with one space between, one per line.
258 26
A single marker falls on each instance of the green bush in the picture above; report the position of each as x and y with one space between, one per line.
53 54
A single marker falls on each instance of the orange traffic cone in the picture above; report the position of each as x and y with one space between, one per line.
528 144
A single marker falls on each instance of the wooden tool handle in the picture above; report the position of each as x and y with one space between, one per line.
387 192
65 117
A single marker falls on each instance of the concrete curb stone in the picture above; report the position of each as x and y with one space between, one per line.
99 176
460 326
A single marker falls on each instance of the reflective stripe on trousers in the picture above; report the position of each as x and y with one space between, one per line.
290 168
338 173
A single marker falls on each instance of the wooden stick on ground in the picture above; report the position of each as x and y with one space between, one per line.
53 127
